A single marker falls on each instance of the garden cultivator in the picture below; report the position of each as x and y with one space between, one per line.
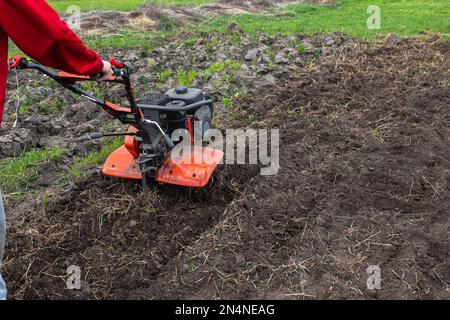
147 152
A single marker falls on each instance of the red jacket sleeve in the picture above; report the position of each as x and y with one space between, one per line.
39 32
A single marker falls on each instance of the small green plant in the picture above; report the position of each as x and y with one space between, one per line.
164 75
229 78
227 102
219 67
271 53
207 74
300 48
185 78
210 47
24 110
227 64
29 101
148 49
151 63
26 106
93 87
167 24
190 43
89 86
109 125
45 200
236 38
54 106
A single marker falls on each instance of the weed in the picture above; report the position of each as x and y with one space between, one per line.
166 24
55 105
164 75
300 48
220 66
227 102
151 63
17 173
190 43
185 78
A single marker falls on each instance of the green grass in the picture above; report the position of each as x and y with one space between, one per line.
220 66
120 5
87 5
126 39
17 173
164 75
227 102
54 106
78 169
181 2
402 17
185 78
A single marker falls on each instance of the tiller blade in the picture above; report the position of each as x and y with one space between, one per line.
190 170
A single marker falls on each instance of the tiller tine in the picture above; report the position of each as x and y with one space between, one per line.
193 170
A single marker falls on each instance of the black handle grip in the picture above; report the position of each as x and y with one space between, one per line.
96 135
117 72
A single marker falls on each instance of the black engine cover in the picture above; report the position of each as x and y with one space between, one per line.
188 95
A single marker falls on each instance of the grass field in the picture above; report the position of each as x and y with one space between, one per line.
401 17
88 5
349 16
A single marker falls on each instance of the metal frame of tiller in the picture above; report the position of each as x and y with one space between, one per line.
142 154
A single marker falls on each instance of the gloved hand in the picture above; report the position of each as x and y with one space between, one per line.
107 71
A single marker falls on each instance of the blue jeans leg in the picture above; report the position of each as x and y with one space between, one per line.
2 245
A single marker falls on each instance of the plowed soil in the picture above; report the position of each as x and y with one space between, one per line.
364 180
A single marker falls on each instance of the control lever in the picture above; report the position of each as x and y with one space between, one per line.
99 135
167 139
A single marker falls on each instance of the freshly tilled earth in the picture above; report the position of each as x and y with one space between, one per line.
364 180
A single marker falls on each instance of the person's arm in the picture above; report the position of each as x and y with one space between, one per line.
39 32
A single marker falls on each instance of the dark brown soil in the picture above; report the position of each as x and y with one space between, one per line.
121 233
364 180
